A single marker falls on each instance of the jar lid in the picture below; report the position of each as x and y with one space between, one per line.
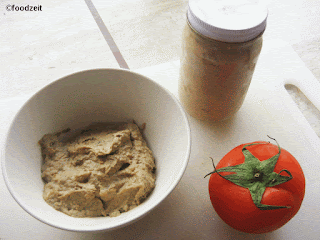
227 20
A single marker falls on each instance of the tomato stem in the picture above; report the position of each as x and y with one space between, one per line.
215 170
255 175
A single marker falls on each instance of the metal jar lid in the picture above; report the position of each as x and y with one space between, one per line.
227 20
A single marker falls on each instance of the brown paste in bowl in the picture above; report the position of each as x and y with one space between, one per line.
101 170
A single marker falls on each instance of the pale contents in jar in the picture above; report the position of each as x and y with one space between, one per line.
101 170
215 76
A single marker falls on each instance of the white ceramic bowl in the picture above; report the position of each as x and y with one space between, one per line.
92 96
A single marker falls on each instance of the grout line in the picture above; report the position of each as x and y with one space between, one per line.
107 36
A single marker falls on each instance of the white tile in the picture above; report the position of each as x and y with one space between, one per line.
147 32
39 47
309 51
293 21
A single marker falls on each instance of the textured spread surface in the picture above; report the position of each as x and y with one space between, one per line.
101 170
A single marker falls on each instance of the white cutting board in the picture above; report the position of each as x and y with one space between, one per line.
187 212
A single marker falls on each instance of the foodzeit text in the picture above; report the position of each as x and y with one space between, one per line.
27 8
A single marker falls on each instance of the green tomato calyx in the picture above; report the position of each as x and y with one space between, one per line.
256 175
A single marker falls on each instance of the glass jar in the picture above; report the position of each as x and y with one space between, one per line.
218 59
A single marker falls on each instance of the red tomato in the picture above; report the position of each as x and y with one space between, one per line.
234 203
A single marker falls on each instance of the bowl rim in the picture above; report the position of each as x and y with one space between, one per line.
99 228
